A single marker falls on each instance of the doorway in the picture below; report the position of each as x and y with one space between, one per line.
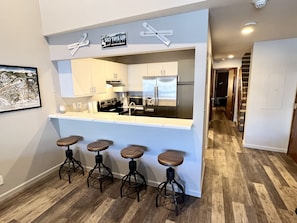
292 149
223 90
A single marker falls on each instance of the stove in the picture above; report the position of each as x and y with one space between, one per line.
110 105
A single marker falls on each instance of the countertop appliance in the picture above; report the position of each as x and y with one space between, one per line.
159 91
138 100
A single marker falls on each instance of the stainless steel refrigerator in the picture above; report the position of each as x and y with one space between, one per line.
159 91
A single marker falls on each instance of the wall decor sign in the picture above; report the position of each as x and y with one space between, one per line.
160 34
19 88
81 43
115 39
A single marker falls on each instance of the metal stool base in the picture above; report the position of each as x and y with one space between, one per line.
162 189
137 182
70 160
100 166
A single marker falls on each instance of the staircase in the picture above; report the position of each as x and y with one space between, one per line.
243 90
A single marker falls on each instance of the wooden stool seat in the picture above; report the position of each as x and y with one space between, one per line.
133 151
102 170
68 141
99 145
171 158
71 163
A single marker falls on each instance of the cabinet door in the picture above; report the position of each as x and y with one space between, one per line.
170 68
116 71
161 69
186 69
154 69
81 75
109 70
98 76
74 77
135 74
121 72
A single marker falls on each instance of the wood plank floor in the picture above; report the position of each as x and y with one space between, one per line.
240 185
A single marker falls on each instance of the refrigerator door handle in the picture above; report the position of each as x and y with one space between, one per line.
156 94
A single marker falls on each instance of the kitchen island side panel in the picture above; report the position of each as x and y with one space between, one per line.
155 139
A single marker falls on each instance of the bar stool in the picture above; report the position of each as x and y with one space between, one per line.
98 146
68 141
170 158
133 152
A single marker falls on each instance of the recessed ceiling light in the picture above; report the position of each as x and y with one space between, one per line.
230 56
248 28
260 3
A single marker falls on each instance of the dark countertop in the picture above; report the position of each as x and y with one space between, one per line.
160 111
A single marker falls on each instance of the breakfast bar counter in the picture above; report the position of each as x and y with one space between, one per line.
155 133
127 120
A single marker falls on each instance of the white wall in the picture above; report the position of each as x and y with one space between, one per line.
90 13
229 63
271 95
27 137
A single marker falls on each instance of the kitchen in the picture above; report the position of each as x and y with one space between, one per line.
188 46
125 85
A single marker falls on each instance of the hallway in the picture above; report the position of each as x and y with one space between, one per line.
247 185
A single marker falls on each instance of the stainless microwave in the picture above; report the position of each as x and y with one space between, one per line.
136 100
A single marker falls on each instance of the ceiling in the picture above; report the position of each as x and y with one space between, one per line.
275 21
227 17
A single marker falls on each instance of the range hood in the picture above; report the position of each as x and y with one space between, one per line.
115 83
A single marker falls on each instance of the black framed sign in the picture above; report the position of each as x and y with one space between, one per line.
19 88
115 39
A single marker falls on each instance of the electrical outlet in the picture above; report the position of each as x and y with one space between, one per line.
79 106
1 180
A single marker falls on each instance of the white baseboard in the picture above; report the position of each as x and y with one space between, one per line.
194 193
33 180
266 148
27 183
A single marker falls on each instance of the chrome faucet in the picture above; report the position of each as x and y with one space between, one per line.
132 103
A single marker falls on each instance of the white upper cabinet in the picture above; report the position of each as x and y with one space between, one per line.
81 77
186 69
162 69
135 74
137 71
97 76
116 71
